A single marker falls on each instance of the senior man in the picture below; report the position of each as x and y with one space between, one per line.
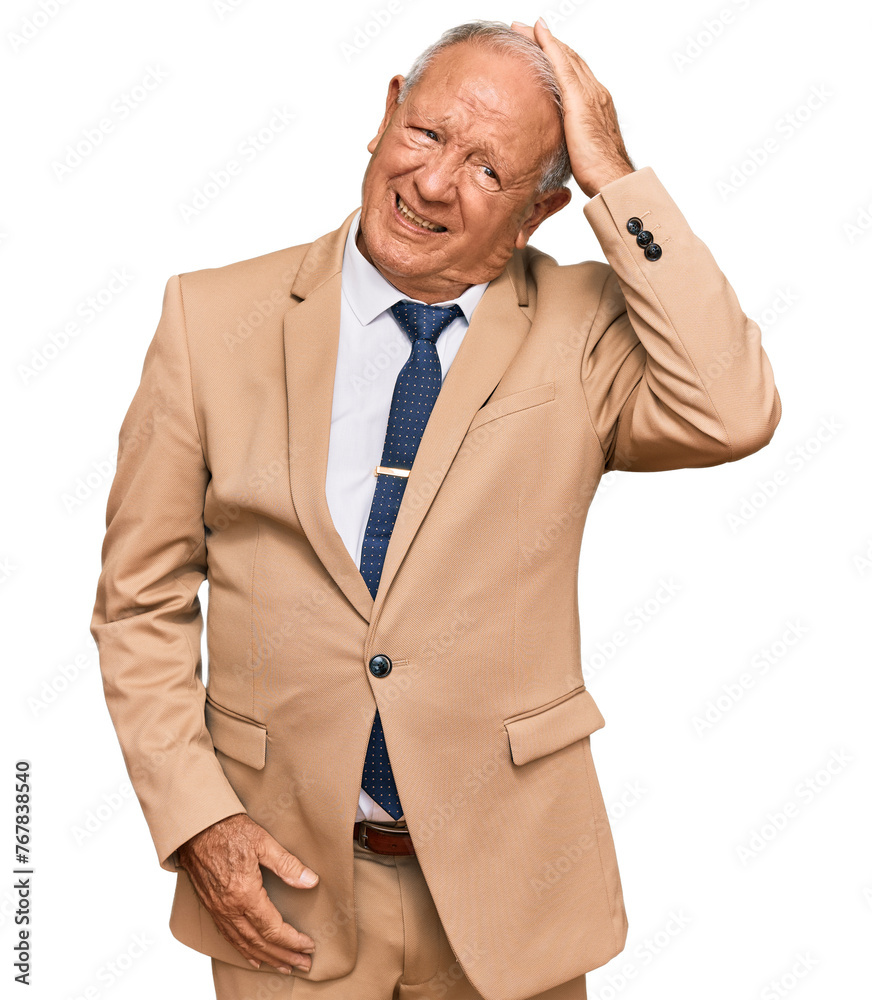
380 448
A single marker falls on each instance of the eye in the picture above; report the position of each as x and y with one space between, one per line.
490 175
428 131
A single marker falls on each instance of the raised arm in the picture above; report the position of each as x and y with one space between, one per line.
674 371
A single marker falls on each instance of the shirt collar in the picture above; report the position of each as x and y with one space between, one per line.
369 293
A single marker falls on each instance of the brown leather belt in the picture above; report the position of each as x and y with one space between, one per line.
383 839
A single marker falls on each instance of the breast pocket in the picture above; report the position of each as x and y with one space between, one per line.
556 724
523 399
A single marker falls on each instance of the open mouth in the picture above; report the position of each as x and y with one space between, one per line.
416 219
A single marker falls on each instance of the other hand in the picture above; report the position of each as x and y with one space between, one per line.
590 122
223 862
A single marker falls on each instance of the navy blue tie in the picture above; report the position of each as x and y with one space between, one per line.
415 392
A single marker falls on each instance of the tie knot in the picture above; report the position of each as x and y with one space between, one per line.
422 321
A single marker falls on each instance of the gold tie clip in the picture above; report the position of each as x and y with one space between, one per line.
390 471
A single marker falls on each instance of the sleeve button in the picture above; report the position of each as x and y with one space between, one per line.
653 251
634 226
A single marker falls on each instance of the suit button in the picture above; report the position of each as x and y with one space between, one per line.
644 238
380 665
634 226
653 251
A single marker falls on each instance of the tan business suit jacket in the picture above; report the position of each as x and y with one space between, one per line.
564 373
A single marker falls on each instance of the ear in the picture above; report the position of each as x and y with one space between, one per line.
390 108
548 204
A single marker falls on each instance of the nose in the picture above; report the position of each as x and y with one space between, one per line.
435 179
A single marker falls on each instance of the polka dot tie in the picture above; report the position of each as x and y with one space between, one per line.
415 392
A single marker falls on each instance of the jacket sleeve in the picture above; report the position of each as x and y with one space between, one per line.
673 370
147 621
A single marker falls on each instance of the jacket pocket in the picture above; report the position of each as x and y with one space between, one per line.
554 725
235 735
520 400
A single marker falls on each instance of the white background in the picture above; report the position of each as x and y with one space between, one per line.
695 91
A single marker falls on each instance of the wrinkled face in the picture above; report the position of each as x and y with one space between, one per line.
449 190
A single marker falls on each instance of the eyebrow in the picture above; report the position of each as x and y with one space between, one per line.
486 147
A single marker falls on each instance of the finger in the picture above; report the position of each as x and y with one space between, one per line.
523 29
264 916
259 934
570 58
569 64
581 67
289 868
239 933
244 937
562 55
232 911
569 74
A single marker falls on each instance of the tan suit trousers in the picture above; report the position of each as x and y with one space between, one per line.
403 951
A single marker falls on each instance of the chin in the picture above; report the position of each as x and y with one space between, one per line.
392 255
397 263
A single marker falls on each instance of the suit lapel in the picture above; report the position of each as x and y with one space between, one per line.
311 334
496 332
311 339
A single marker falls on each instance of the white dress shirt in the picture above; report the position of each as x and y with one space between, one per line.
372 350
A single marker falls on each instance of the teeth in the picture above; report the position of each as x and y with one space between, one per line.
423 223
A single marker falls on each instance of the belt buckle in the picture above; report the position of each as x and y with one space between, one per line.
361 833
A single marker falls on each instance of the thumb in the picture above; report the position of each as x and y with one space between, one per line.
289 868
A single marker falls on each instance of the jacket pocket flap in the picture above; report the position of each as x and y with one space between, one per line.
556 724
236 736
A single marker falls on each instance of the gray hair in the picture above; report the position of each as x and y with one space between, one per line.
556 169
